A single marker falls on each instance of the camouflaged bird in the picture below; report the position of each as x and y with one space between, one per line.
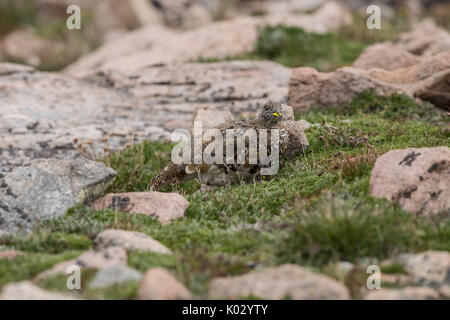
268 117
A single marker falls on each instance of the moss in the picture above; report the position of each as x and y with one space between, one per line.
394 268
53 242
29 265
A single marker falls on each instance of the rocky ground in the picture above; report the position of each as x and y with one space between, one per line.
365 181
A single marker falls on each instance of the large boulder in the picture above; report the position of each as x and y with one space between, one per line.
50 115
285 281
43 189
417 179
428 80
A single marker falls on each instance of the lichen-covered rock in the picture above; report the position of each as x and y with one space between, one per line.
130 240
44 189
417 179
162 206
115 274
26 290
279 283
159 284
429 268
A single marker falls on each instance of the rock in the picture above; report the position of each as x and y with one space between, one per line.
427 80
163 206
24 46
298 141
425 39
116 274
26 290
278 283
177 124
130 240
444 291
159 284
417 179
394 57
150 46
343 268
91 259
210 117
408 293
47 115
429 268
9 254
289 6
184 14
305 125
44 189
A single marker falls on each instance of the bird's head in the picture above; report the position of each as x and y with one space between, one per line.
270 113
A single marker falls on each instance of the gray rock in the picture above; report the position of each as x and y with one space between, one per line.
429 268
116 274
130 240
43 189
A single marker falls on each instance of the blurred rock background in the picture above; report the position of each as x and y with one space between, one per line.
34 32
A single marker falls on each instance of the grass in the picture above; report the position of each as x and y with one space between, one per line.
315 212
294 47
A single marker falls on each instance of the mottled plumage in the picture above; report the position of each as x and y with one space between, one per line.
269 117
